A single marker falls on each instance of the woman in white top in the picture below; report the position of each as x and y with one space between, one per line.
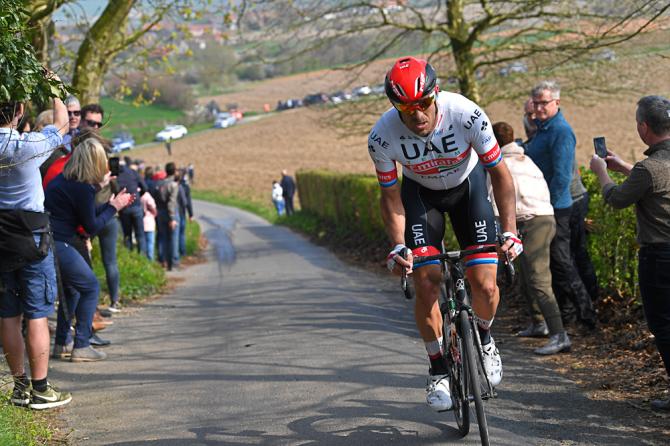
278 198
535 222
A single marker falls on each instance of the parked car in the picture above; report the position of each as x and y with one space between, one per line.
363 90
514 67
317 98
378 89
171 132
122 141
224 120
340 96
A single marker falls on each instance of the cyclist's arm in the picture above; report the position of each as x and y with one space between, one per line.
505 196
393 214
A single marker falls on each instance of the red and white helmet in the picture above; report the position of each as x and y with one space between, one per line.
409 80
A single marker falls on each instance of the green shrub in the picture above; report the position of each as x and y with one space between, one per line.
612 243
140 277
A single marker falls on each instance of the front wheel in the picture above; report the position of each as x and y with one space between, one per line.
458 378
470 364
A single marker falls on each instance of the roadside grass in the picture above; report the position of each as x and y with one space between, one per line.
193 232
143 121
263 210
140 277
19 426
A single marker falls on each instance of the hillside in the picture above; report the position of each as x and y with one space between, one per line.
243 160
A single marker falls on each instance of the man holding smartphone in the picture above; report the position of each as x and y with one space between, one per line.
553 150
648 187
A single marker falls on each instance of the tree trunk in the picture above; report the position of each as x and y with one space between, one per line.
461 47
102 42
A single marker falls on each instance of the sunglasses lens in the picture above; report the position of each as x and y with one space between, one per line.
422 104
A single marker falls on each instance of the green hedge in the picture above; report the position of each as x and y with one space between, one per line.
348 200
612 242
351 202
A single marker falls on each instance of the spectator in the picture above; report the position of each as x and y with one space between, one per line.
535 222
529 125
288 190
44 119
28 275
74 119
648 187
191 173
149 220
553 150
132 217
166 191
168 147
278 198
71 201
185 207
91 121
578 240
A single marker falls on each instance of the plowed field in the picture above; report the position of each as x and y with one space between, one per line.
244 159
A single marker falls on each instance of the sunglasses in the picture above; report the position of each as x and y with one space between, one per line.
422 104
92 123
74 113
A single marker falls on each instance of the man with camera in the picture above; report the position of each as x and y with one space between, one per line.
648 187
27 269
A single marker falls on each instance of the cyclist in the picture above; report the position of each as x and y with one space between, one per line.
444 143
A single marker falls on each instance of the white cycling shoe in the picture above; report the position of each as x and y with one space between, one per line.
438 397
492 363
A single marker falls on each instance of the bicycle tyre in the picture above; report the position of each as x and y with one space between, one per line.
458 380
470 361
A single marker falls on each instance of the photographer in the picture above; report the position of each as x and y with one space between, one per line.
648 187
27 269
70 200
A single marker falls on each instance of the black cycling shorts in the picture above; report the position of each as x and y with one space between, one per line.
469 209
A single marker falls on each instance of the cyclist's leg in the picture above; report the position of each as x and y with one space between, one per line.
424 228
475 225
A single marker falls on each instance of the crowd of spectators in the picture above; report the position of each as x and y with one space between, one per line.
57 193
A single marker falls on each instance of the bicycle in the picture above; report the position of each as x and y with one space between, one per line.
468 381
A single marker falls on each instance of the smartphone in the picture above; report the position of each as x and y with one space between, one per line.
600 147
114 166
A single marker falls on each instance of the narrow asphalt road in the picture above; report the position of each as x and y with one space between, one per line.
274 341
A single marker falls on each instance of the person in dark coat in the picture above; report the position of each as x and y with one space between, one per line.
288 190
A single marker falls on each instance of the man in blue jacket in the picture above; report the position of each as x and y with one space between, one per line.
553 150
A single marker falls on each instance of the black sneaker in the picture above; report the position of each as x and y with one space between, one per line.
20 395
50 398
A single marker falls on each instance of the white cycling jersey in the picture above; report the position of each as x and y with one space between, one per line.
441 160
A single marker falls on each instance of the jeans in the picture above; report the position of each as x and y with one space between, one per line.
279 205
654 278
107 237
568 287
580 253
182 234
81 294
132 220
535 277
150 241
168 239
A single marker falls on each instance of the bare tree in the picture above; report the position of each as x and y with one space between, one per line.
471 39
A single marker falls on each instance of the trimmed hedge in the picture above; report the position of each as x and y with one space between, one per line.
351 202
612 240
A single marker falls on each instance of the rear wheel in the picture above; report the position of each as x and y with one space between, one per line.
470 362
